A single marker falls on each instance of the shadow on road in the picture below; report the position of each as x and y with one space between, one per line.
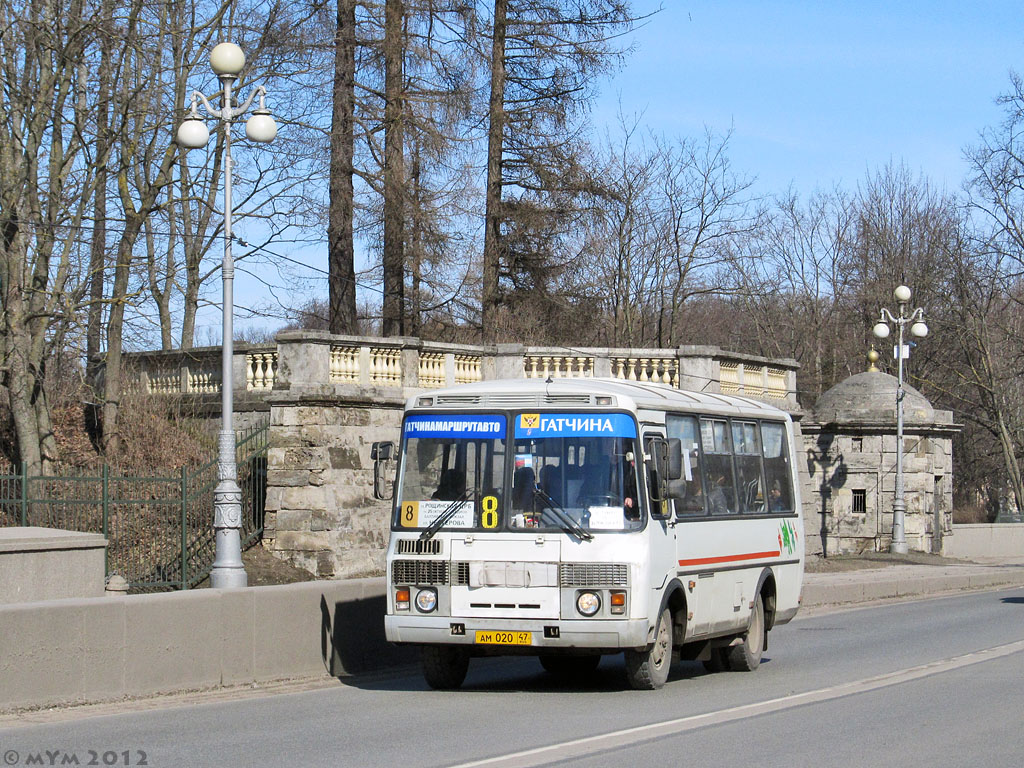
521 674
356 652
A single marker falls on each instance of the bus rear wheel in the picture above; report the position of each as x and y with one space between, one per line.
746 657
444 666
648 669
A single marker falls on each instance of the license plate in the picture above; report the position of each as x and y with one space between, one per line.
502 637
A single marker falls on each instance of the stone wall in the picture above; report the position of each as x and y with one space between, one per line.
321 514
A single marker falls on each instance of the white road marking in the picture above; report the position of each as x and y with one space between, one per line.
592 744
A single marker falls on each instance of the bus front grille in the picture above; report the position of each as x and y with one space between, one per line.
593 575
419 572
418 547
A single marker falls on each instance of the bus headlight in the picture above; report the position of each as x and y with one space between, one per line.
588 603
426 600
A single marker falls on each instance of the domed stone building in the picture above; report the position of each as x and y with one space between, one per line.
850 443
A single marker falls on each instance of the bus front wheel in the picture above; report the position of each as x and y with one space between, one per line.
648 669
444 666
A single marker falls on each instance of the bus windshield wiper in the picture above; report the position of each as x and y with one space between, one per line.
565 522
448 514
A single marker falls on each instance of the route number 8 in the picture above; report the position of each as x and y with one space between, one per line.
489 517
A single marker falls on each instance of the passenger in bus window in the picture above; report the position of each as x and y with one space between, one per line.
452 485
629 497
775 500
717 503
551 482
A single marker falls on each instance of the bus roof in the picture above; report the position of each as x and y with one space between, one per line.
582 393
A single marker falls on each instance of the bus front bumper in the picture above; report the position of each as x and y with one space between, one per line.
454 630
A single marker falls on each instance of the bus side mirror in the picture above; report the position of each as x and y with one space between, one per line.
383 455
674 463
657 463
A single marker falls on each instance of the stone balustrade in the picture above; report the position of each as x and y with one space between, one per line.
318 359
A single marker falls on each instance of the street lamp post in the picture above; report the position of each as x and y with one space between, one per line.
227 61
881 330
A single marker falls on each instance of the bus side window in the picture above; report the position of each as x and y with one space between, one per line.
718 471
776 467
688 491
747 449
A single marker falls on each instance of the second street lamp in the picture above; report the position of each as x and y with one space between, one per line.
227 61
881 330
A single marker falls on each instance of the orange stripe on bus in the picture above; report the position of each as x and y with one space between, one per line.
730 558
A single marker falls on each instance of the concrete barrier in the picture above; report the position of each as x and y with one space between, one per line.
98 649
67 651
46 564
994 540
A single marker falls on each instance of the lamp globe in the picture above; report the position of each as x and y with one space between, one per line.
261 126
192 134
227 59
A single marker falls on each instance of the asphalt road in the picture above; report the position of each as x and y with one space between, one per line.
931 683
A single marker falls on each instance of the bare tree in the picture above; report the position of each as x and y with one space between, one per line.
543 61
795 284
340 233
667 221
44 189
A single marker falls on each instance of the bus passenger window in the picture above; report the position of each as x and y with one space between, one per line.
776 467
718 474
747 449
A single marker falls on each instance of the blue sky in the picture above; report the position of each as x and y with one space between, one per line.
816 93
819 93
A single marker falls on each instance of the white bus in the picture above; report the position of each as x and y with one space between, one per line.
574 518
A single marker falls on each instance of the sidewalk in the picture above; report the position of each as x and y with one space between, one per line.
906 580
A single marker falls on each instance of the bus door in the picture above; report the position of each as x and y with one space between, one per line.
661 527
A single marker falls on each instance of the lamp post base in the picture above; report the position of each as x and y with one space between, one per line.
228 572
898 548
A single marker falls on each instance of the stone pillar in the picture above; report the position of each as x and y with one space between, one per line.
698 368
508 361
303 360
320 513
602 363
239 374
411 362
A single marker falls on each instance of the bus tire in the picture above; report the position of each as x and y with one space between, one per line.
647 670
444 666
570 667
746 656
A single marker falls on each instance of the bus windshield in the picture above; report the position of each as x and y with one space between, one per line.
575 469
452 466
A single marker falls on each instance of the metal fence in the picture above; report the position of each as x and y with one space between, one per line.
160 529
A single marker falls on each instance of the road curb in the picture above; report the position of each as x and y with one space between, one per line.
832 592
